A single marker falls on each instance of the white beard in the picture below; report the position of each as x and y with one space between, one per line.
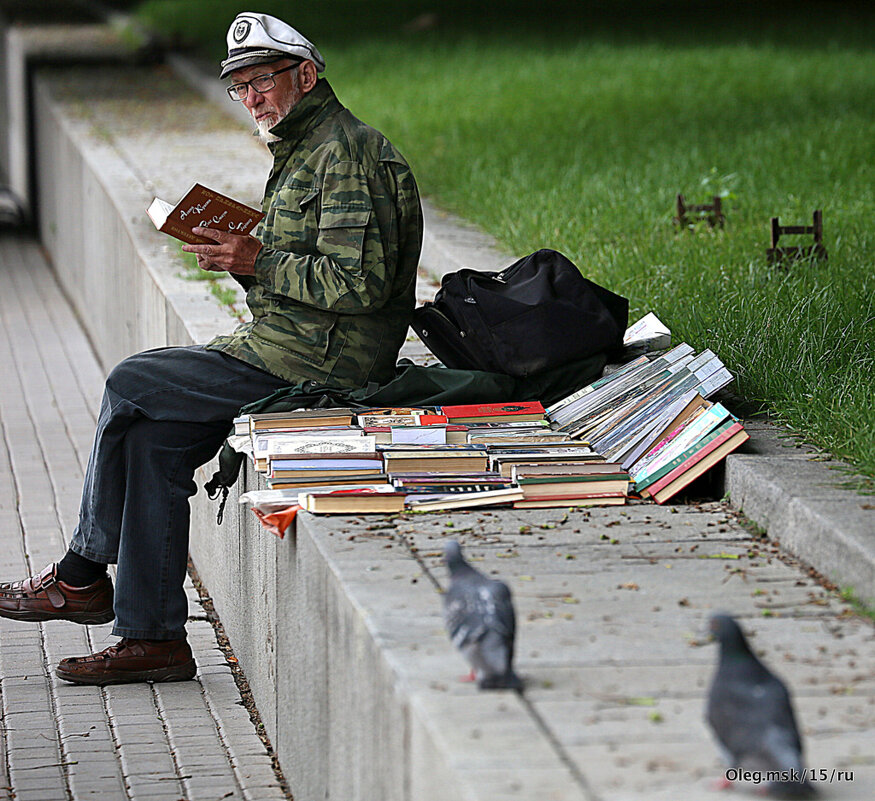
282 111
265 135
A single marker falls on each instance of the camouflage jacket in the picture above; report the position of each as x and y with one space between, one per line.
333 290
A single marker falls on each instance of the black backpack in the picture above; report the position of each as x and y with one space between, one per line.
536 314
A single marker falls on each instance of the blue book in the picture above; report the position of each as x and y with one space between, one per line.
326 464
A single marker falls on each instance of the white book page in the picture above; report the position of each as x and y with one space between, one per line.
158 211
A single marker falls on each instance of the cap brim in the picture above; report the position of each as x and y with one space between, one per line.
250 60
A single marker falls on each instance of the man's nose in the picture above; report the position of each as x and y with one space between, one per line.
253 98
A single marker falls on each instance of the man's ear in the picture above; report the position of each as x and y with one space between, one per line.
307 76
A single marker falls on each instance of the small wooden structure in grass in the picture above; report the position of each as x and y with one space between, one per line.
688 215
781 255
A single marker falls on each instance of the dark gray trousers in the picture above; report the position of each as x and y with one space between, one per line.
164 413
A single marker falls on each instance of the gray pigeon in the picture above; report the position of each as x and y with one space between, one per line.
750 712
480 620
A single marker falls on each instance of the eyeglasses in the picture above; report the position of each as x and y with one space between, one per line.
261 84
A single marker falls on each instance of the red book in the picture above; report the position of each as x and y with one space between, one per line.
702 460
432 419
522 410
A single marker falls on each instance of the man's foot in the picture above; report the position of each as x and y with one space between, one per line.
129 661
45 597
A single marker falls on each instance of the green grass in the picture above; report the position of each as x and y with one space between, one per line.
860 607
226 296
573 126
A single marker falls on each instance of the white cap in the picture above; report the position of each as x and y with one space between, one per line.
261 38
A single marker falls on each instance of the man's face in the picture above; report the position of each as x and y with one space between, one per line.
269 107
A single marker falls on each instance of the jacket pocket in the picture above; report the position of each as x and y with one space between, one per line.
302 332
342 234
293 216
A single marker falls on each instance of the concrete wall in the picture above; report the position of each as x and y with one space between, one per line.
22 47
4 106
15 115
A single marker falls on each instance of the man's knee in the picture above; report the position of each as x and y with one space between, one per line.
138 374
126 378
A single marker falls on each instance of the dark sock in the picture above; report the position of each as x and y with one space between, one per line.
77 571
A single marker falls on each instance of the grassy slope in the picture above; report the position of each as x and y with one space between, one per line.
575 130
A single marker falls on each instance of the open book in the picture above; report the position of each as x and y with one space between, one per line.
205 208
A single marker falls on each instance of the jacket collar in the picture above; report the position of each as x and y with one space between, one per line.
312 108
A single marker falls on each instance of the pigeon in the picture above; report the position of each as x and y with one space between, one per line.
480 620
750 712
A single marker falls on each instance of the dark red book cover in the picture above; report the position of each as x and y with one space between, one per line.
493 409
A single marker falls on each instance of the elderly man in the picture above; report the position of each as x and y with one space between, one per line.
329 276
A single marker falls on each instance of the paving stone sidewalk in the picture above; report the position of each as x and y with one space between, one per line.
189 740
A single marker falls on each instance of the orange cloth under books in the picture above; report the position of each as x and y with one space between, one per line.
278 522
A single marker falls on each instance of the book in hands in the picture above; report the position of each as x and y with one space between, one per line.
205 208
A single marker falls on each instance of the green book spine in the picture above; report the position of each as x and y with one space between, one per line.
681 458
552 479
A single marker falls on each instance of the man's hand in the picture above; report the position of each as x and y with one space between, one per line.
233 253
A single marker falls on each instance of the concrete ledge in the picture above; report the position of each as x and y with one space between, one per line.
124 277
803 507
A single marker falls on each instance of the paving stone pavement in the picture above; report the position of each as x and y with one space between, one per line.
188 740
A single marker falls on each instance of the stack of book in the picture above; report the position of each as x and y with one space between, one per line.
648 427
584 484
301 459
628 416
433 458
503 460
308 447
687 451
